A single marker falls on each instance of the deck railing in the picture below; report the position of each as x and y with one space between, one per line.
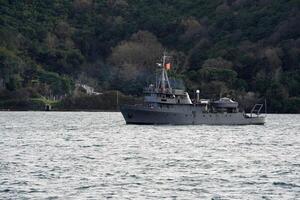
256 109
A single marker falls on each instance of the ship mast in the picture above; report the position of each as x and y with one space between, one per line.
164 76
163 84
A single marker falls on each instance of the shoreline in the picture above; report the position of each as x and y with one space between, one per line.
94 110
76 110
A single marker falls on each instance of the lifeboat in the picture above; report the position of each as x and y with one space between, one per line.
225 103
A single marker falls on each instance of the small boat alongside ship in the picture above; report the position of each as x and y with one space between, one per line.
166 105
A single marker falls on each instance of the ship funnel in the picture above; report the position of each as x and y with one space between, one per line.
198 95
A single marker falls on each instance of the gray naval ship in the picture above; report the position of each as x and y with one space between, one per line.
165 105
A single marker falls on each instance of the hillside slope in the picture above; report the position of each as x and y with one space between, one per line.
245 49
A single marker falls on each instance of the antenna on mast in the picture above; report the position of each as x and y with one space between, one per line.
165 77
164 80
163 84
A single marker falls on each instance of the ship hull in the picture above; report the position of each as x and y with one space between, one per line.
185 115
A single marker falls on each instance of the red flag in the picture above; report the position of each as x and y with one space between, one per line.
168 66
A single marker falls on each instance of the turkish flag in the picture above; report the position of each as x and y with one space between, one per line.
168 66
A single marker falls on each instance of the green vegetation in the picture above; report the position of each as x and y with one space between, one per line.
108 101
249 50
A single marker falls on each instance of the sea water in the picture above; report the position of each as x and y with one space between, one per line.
95 155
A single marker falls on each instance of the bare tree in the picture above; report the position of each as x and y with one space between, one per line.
218 63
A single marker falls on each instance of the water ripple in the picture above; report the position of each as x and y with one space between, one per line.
53 155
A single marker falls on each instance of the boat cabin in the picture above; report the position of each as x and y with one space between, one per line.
168 96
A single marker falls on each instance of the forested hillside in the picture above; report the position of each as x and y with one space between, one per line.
246 49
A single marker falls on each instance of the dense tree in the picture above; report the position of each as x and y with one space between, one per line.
136 56
246 49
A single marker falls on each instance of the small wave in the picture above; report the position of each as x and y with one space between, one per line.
85 187
20 183
97 145
8 127
108 174
264 197
283 184
250 144
84 146
33 190
133 176
88 157
216 198
254 183
41 176
74 140
134 158
53 197
207 166
5 190
72 128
